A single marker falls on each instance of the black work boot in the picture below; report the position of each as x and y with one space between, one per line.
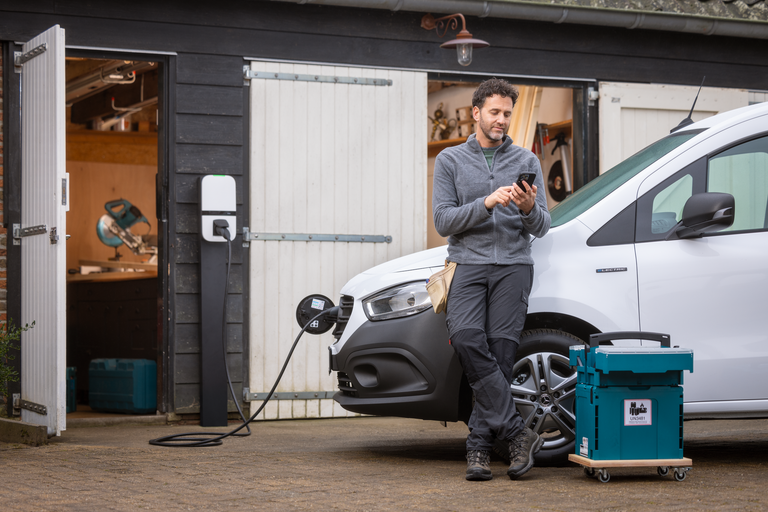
478 465
522 447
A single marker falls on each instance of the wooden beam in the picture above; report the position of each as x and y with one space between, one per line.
137 148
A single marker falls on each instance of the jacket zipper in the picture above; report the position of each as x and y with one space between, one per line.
493 212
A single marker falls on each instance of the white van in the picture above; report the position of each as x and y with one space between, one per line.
672 240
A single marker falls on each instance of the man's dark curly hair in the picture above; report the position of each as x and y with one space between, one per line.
494 86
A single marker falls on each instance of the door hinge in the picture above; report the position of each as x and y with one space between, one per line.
19 232
249 74
290 395
31 406
314 237
20 58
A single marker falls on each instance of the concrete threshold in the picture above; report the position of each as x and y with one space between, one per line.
106 421
14 431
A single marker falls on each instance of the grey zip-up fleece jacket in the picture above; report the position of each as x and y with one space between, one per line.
461 183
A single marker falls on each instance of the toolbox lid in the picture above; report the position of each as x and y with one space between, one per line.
642 359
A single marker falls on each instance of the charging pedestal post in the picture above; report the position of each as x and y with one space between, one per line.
218 201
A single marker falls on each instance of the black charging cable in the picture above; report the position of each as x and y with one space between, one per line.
215 438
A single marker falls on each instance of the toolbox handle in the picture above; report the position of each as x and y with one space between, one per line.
595 339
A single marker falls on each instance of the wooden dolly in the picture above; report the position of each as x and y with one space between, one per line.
598 468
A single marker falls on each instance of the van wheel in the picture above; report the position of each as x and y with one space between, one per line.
544 388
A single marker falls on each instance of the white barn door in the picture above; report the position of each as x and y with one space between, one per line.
44 203
632 116
326 158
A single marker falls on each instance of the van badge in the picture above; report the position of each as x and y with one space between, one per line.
614 269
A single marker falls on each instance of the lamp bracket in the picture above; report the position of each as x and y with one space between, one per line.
428 22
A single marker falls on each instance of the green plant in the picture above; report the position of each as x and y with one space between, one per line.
9 334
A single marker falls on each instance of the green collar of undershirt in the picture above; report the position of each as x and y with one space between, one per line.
489 152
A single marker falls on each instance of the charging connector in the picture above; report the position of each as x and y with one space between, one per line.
220 228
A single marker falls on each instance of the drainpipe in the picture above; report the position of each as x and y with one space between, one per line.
670 22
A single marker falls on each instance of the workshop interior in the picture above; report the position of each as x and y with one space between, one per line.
112 251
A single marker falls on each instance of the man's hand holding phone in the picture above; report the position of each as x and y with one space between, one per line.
524 192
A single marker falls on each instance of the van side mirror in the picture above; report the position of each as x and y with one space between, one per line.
707 212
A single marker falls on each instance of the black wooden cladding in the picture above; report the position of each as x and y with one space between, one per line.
209 100
188 278
202 159
209 140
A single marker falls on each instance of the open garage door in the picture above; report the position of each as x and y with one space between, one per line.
334 151
632 116
42 232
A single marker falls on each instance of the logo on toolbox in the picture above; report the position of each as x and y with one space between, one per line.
637 412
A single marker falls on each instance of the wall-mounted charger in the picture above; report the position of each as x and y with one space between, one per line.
218 200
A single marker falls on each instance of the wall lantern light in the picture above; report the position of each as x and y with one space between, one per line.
463 42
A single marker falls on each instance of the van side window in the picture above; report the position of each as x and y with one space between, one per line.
742 171
660 209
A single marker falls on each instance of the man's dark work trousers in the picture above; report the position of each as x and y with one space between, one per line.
486 311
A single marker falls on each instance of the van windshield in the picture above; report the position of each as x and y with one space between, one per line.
599 188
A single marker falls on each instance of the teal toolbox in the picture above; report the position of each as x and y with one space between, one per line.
123 385
629 400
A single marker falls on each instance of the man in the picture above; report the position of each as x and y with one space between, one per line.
489 220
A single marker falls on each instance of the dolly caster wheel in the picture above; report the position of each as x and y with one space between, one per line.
603 476
590 472
680 475
663 470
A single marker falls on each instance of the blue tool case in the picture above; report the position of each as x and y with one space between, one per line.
123 385
629 399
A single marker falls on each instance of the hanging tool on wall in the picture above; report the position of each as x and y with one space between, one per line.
559 180
541 140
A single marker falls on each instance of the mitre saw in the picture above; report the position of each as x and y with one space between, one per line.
114 229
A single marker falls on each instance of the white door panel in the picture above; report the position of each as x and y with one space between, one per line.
632 116
326 158
43 145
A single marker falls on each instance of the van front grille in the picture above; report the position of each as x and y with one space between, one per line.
346 303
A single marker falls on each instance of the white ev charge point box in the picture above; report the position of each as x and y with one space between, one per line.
218 200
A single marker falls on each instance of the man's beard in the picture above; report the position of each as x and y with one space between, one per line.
487 130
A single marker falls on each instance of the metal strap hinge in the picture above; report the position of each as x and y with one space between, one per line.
301 395
20 58
19 232
250 74
302 237
31 406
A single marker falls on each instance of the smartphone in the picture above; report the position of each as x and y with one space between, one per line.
526 176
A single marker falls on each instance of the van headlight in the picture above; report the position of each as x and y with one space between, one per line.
399 301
